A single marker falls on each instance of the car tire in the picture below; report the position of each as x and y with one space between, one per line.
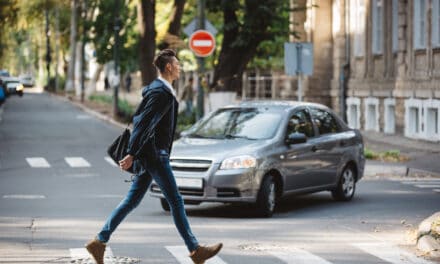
164 204
346 185
266 199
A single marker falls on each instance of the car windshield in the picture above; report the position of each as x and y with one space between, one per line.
231 123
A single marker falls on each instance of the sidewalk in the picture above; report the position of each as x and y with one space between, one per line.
423 156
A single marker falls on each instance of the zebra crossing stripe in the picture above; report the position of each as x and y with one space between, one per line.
23 196
297 256
38 162
182 256
109 160
428 185
437 190
82 253
77 162
390 253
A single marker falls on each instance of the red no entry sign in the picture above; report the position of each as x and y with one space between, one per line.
202 43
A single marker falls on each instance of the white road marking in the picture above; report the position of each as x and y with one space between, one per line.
109 160
77 162
428 185
23 196
38 162
202 43
421 182
182 256
390 253
83 117
297 256
437 190
82 253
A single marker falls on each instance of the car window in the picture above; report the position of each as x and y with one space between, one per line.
300 122
249 123
324 121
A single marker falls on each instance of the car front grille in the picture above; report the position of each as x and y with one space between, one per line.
183 191
190 165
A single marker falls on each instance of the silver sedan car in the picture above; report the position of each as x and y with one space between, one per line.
259 151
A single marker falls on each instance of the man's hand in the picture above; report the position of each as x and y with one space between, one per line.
126 162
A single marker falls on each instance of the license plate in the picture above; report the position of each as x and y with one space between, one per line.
189 183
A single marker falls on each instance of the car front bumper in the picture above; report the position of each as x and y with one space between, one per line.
214 185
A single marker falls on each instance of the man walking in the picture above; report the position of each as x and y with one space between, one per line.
150 144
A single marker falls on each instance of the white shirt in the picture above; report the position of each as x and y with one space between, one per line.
168 85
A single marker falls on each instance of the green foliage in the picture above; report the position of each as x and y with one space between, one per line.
369 154
184 122
102 33
126 110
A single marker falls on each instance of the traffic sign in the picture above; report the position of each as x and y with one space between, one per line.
202 43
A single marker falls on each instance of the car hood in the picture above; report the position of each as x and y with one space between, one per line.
215 149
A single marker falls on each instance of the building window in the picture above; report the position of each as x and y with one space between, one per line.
371 114
358 26
419 34
377 26
432 119
389 117
413 118
353 112
395 15
435 23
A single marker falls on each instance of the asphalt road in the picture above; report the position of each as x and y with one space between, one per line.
57 188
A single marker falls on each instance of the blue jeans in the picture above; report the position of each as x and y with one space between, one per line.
162 174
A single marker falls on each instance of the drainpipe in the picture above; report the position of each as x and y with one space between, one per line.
345 68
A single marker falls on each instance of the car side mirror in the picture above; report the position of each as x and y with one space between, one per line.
296 138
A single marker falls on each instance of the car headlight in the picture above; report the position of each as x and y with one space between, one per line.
20 87
239 162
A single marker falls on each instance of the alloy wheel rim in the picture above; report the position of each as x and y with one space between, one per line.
348 182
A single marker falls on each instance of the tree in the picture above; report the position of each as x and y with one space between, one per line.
8 17
70 83
172 38
247 24
147 39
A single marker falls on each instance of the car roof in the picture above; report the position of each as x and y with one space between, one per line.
279 104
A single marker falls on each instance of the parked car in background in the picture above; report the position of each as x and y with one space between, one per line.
27 80
4 73
14 87
260 151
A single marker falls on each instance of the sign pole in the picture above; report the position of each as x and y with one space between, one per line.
299 71
200 62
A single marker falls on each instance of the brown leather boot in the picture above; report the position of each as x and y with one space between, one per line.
96 248
203 253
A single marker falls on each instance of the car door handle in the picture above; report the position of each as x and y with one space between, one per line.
314 148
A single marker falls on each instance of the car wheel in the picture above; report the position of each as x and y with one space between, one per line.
346 185
164 204
266 199
20 94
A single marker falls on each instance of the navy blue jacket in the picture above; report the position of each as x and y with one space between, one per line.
154 123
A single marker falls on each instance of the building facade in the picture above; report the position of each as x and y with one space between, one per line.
380 57
392 62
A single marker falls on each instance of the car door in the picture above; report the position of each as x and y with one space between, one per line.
328 145
300 161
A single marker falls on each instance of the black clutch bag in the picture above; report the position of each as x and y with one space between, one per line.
118 149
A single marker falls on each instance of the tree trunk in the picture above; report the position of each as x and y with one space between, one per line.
240 42
147 44
172 38
70 83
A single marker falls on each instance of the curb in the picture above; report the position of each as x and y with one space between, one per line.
84 108
375 169
428 235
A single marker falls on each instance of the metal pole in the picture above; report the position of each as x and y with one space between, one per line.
83 44
48 58
200 61
299 71
116 28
